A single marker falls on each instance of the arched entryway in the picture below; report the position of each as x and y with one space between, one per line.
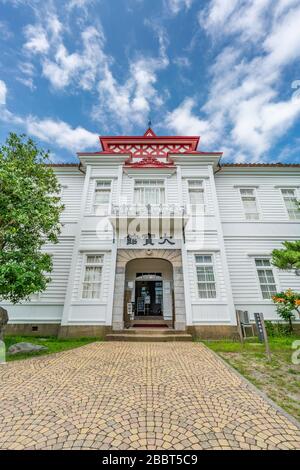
147 266
149 292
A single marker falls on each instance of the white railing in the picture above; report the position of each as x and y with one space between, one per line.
148 210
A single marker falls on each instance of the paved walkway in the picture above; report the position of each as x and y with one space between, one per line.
135 396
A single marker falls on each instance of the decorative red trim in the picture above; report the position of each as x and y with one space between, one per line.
149 148
149 137
150 133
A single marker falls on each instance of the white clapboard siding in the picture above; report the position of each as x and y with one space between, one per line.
72 186
61 254
240 258
202 239
127 196
172 190
220 284
269 197
77 288
101 236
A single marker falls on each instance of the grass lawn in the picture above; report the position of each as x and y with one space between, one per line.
52 343
279 378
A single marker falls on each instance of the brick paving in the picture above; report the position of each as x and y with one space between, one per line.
136 396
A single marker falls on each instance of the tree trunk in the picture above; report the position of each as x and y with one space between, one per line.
290 325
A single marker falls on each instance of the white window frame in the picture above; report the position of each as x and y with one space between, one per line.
152 179
82 281
201 187
94 205
274 272
255 195
213 264
297 196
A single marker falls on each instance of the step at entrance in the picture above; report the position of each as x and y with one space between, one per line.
149 335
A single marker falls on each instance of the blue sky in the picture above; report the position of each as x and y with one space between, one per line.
226 70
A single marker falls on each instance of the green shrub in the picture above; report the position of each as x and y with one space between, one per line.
277 329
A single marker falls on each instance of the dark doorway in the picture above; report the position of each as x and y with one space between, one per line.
148 298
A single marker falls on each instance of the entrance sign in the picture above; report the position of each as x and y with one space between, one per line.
262 332
130 310
140 306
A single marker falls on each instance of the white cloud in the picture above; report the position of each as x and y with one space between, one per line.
5 31
27 68
55 132
61 134
86 65
60 71
130 102
61 67
282 44
182 61
36 39
248 18
184 122
3 92
174 6
243 111
79 4
28 82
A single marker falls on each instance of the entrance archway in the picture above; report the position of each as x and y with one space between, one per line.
147 263
149 291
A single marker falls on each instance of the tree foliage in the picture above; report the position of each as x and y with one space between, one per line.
287 257
29 217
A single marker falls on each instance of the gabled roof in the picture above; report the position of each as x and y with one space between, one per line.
116 143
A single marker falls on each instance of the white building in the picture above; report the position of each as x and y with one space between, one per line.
152 221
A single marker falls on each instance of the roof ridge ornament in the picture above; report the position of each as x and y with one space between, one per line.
149 132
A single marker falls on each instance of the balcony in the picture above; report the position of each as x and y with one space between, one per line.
148 211
157 219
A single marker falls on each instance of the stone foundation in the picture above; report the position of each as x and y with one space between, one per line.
84 331
32 329
213 331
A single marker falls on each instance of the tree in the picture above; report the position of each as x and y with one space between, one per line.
29 217
287 303
289 256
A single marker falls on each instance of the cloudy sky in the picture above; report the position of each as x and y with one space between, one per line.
226 70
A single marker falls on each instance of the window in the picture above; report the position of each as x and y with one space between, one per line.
91 287
102 197
196 196
290 200
266 277
149 192
205 277
248 197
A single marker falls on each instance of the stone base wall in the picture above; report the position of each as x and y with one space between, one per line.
69 331
213 331
223 331
32 329
84 331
